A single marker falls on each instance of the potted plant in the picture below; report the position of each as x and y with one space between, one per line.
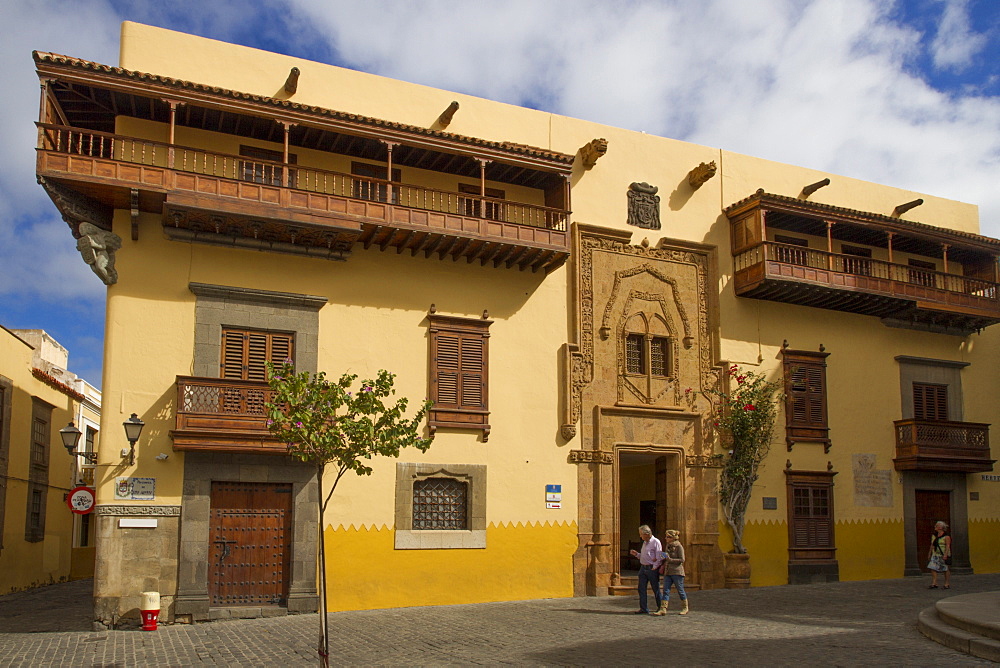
745 418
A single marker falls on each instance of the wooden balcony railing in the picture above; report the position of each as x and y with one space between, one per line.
88 143
223 415
859 276
933 445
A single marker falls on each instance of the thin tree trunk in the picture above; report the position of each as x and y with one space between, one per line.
324 631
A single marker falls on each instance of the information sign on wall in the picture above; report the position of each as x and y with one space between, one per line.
553 496
136 489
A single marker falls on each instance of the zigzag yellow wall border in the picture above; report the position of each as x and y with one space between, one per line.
521 561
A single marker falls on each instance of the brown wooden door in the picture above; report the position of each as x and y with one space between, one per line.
932 506
250 543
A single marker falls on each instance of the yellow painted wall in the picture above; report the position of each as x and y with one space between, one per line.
521 561
26 564
984 545
378 302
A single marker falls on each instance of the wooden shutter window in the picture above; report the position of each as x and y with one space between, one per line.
459 373
930 402
805 398
245 353
810 516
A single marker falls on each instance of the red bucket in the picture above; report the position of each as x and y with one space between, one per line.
149 618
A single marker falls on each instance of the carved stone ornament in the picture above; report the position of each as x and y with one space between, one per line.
701 173
591 457
98 248
704 461
144 511
644 206
578 357
592 151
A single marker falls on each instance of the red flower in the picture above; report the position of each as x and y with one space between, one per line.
740 379
749 407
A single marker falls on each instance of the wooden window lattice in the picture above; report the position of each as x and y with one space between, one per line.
39 441
659 356
811 517
440 503
635 361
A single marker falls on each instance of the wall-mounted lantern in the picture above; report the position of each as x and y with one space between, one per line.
71 437
133 429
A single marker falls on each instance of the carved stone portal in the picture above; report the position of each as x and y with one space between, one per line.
98 248
639 415
644 206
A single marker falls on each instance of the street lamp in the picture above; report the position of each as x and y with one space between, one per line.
70 437
133 428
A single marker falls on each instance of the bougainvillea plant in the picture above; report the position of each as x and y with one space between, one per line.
329 424
745 419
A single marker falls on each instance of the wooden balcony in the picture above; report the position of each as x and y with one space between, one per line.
223 415
238 201
910 274
927 445
902 293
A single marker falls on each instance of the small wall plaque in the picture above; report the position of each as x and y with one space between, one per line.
137 522
973 496
770 503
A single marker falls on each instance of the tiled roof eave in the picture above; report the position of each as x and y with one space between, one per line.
49 64
843 214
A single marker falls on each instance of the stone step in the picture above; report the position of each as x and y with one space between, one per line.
629 584
969 623
975 613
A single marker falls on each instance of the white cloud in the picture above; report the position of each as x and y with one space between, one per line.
826 85
955 44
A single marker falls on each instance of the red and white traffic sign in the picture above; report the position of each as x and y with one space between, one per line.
80 500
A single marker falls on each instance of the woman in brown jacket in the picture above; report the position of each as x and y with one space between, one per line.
673 571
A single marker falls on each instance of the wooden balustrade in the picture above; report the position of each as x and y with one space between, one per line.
935 445
88 143
223 415
798 256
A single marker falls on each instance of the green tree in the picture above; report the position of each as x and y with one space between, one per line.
746 418
326 424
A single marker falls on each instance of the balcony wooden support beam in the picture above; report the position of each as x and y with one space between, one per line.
404 244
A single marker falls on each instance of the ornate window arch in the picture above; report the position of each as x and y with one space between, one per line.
648 354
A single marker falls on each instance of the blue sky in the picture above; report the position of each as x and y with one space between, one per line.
903 93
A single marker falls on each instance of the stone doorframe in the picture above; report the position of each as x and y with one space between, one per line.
675 494
917 546
200 469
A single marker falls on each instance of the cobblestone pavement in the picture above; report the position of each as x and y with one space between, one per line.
839 624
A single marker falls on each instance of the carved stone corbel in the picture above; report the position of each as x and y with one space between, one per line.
98 248
76 208
592 151
702 173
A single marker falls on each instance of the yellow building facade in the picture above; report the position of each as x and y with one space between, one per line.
565 292
41 541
